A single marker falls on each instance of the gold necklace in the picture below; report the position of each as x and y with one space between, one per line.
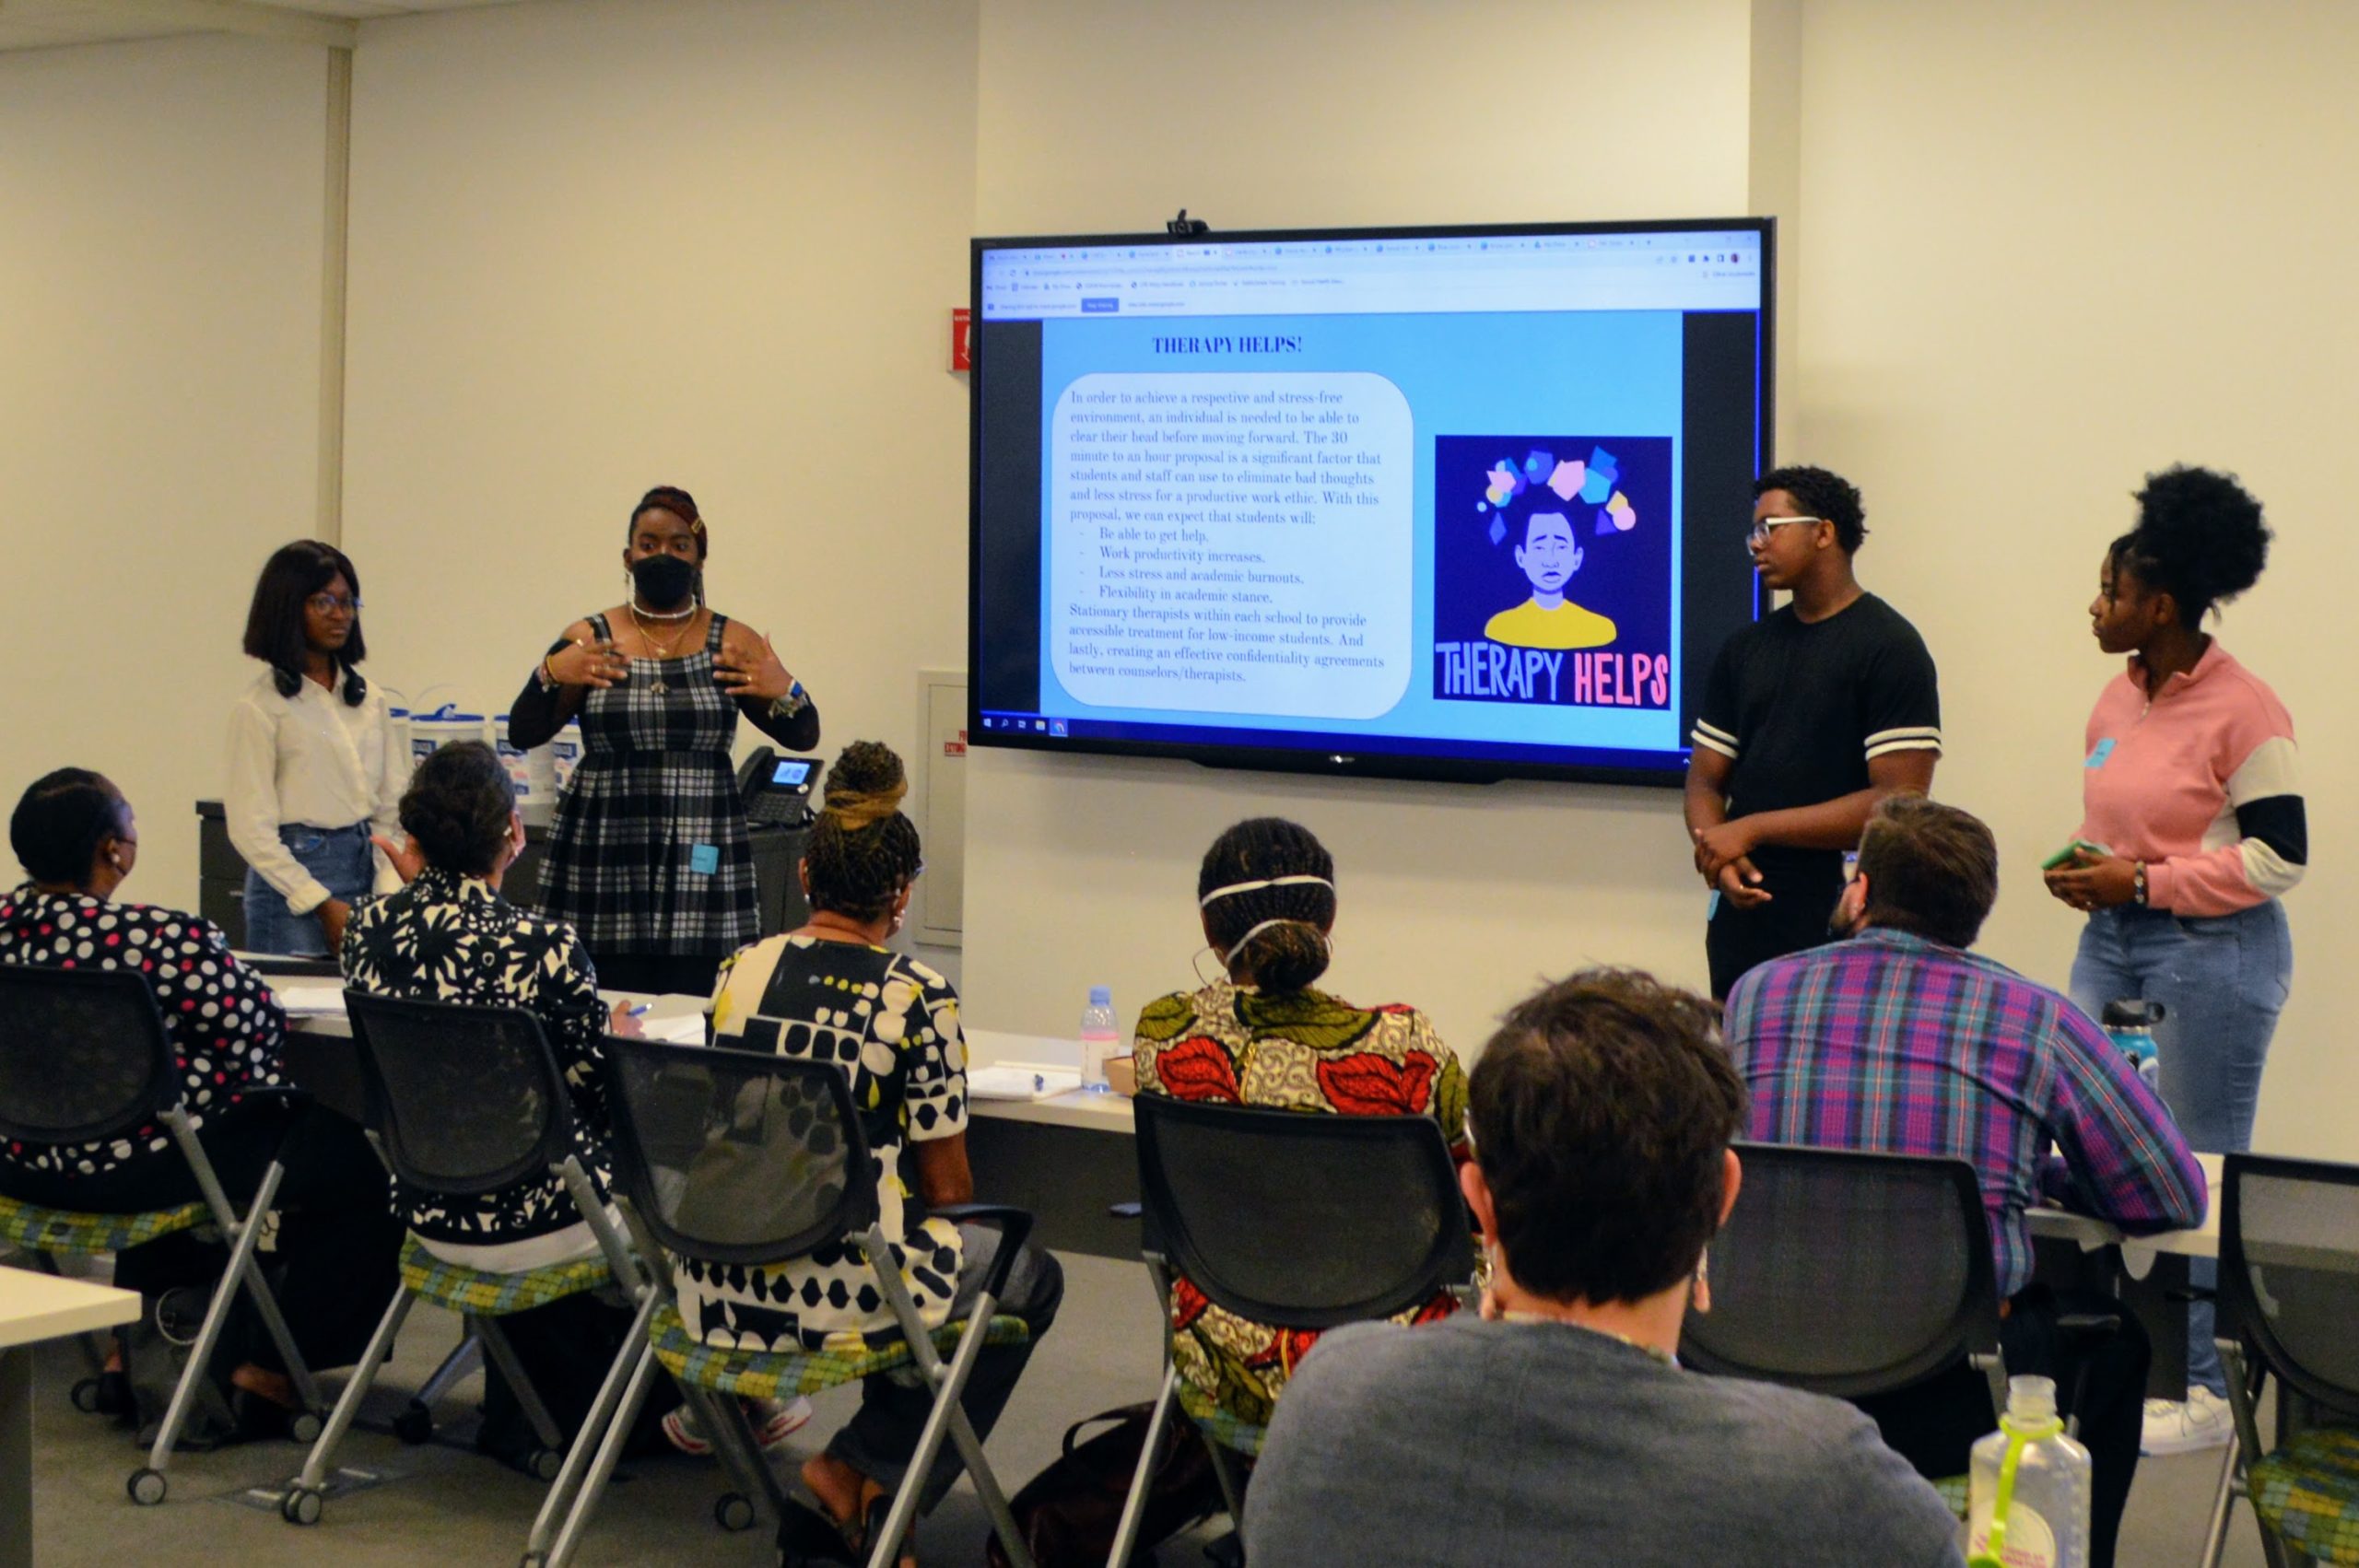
663 651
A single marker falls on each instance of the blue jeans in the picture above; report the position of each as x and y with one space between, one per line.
2222 980
339 857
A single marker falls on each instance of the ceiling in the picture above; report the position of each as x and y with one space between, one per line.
47 24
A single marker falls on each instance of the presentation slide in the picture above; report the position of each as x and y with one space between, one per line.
1423 505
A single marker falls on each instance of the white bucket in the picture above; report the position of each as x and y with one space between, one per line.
566 752
430 733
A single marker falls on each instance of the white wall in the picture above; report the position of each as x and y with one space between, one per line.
160 222
2050 250
612 242
600 246
1082 870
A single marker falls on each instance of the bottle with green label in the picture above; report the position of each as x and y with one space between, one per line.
2028 1495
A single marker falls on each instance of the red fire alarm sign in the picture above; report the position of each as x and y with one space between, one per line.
961 328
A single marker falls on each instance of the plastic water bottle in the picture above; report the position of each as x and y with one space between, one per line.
2130 1024
1098 1037
2029 1490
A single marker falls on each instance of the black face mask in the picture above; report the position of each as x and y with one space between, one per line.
664 580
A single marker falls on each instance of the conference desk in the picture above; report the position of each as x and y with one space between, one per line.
34 1308
1069 1157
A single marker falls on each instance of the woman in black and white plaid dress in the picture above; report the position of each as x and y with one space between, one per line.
649 859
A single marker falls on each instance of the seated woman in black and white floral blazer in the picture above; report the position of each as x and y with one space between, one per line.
449 936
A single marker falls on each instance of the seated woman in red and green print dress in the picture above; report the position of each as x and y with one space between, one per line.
1261 1035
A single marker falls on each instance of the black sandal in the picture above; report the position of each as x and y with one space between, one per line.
807 1535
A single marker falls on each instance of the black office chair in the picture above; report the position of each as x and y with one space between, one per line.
2289 1301
1851 1274
465 1100
84 1058
742 1158
1298 1220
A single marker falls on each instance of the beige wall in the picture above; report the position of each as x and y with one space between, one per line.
612 242
600 246
1083 871
160 222
2051 249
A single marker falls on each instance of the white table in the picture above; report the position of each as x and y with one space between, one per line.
2202 1241
34 1308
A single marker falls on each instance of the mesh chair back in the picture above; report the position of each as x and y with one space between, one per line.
2289 1270
83 1054
1303 1220
1847 1273
463 1099
736 1156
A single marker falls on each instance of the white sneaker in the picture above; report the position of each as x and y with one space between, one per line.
2204 1421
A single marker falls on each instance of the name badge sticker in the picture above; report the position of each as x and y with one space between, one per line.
704 859
2104 750
1712 904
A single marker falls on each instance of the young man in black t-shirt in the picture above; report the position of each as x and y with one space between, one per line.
1810 716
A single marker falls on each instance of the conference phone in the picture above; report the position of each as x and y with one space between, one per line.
777 790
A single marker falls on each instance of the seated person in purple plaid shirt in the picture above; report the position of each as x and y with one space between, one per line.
1899 1040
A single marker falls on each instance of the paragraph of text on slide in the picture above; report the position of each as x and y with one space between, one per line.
1231 541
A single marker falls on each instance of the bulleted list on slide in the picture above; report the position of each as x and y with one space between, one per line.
1231 541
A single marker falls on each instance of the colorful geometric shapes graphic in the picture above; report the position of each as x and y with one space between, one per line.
1569 478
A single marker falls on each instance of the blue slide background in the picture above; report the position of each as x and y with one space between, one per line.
1462 374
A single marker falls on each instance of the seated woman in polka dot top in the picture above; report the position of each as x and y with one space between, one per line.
338 1239
75 833
833 991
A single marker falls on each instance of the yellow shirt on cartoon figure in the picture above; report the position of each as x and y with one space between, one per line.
1549 557
1529 624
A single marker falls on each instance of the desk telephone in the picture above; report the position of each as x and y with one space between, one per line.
777 790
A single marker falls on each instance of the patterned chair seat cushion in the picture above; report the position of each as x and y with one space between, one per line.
777 1375
71 1231
1238 1436
465 1290
2309 1493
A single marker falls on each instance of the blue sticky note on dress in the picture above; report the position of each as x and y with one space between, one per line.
2104 750
704 859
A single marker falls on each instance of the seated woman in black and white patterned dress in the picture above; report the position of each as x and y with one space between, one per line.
834 991
449 936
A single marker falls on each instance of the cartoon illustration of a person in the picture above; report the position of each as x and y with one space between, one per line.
1549 557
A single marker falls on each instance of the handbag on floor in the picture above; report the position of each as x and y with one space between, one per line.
1068 1513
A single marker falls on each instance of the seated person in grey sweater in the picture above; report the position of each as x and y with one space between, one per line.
1559 1427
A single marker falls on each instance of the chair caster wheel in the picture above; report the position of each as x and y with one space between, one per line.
146 1487
85 1395
542 1464
413 1425
301 1507
304 1426
732 1512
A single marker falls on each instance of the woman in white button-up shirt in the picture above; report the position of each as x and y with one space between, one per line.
313 766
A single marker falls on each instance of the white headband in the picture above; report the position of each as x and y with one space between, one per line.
1206 901
1230 957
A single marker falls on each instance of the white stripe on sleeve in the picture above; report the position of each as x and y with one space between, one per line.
2272 769
2271 873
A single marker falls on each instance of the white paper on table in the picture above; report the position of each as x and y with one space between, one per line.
309 998
675 1028
1020 1080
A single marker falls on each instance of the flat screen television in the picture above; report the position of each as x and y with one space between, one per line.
1465 503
